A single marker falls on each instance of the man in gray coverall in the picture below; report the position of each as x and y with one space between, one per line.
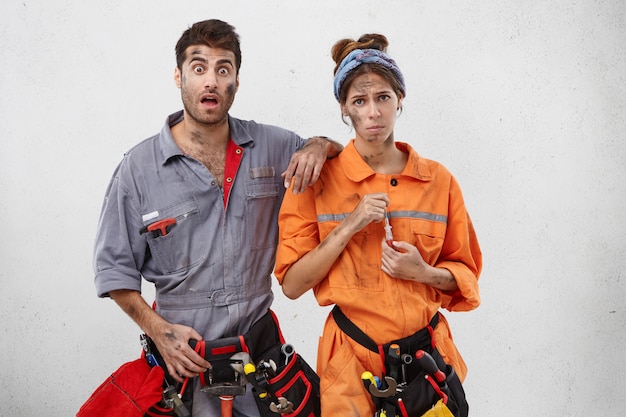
194 210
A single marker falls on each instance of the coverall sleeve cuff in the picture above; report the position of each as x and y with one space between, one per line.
467 297
289 252
111 280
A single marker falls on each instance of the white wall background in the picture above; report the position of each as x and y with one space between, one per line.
523 100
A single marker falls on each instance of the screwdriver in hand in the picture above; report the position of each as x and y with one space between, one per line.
388 234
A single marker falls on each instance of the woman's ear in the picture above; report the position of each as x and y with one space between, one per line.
400 98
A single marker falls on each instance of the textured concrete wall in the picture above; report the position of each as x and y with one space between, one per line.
524 101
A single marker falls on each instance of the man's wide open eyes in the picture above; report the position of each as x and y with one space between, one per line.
198 69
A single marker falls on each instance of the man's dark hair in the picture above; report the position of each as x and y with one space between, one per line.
212 33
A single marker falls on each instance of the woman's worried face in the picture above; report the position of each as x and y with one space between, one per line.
371 104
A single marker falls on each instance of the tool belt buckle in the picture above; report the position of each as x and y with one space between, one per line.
237 386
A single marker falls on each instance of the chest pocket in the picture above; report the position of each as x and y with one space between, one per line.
185 244
359 263
263 198
428 237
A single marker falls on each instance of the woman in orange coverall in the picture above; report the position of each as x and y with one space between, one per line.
332 236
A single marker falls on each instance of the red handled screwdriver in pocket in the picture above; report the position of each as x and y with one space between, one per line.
160 227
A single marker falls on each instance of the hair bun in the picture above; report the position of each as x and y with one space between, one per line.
343 47
374 41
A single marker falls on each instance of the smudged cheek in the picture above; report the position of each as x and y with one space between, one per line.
356 118
231 89
228 95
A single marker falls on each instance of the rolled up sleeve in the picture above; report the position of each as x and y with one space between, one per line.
118 251
298 232
461 255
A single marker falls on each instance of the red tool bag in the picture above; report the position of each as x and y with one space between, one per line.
130 391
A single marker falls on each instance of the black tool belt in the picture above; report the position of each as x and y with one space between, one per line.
415 376
282 381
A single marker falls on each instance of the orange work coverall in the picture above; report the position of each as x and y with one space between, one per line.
426 210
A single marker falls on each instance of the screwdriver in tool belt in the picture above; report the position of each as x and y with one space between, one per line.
427 362
394 353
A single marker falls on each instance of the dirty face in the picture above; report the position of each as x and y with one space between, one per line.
208 82
371 105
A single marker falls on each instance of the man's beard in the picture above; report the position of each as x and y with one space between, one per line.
216 116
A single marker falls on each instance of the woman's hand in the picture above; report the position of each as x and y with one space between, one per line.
370 209
406 262
313 267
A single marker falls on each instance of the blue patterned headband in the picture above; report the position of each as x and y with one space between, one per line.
366 56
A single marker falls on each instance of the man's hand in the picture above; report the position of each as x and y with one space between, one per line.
306 164
406 262
171 340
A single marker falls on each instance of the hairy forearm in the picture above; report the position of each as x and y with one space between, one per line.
440 278
133 304
171 339
332 148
